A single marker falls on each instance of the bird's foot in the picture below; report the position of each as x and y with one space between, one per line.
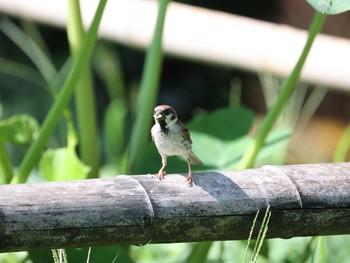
189 180
160 175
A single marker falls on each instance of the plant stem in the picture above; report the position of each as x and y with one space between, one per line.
199 252
148 92
5 164
250 155
33 154
84 94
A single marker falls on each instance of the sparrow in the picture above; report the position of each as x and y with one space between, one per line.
171 138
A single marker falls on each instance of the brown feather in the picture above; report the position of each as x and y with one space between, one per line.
185 131
193 159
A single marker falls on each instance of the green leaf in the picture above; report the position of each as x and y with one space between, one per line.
217 136
330 7
225 155
19 129
225 124
62 164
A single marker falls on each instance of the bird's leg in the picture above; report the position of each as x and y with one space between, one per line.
161 172
189 177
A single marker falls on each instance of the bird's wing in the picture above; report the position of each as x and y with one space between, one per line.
185 132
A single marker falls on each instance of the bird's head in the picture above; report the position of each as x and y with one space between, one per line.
164 114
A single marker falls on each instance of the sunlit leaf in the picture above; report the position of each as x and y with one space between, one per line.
219 137
225 124
330 7
62 164
19 129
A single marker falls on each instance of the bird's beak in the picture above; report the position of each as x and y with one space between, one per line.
158 116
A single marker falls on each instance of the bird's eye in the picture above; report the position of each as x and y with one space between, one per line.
166 112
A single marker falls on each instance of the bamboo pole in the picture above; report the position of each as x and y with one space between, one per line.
206 36
305 200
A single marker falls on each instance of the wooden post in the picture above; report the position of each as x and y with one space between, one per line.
304 199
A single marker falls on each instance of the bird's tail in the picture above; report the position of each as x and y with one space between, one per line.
193 159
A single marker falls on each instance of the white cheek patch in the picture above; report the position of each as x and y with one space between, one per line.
170 120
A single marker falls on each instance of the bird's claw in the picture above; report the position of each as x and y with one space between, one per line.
160 175
189 181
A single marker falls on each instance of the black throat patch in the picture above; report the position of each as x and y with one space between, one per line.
163 127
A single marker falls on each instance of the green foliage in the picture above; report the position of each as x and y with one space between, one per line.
226 124
32 156
286 92
115 118
114 131
319 254
109 254
148 92
30 48
199 252
222 133
330 7
62 164
6 170
19 70
229 142
107 66
152 253
19 129
84 94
